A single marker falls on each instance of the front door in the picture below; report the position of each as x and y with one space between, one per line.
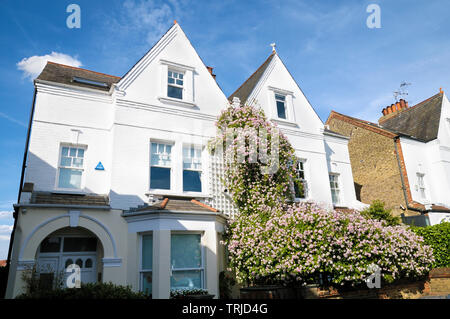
87 264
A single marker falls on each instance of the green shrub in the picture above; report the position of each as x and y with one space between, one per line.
86 291
378 212
438 237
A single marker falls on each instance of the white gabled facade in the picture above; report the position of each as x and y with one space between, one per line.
118 176
324 154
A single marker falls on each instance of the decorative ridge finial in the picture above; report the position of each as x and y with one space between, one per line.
441 91
175 22
273 45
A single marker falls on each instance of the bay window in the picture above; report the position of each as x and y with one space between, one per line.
147 264
187 270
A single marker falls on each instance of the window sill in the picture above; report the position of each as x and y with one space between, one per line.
170 100
285 122
184 194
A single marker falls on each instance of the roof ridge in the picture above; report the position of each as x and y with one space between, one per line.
253 74
394 115
82 69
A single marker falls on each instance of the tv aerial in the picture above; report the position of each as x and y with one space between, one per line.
402 91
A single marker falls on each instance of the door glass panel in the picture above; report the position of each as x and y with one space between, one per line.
88 263
50 245
75 244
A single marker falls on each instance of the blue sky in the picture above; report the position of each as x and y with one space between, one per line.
339 62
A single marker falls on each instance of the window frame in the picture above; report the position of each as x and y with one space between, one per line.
177 71
305 179
337 175
82 168
143 271
195 147
286 113
170 167
202 269
421 186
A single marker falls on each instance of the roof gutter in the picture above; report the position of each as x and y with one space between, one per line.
22 176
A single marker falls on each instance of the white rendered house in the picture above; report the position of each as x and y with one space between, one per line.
118 179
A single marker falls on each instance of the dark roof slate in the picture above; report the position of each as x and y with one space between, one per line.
64 74
420 121
244 91
69 199
170 204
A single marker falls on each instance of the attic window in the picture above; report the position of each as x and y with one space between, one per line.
89 82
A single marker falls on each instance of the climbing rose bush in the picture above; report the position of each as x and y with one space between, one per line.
303 240
273 239
251 187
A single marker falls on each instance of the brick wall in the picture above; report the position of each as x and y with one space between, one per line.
374 164
437 284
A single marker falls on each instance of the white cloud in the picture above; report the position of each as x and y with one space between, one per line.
5 214
33 65
146 19
5 232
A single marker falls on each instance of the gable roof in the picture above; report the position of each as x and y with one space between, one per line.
361 123
420 122
64 74
244 91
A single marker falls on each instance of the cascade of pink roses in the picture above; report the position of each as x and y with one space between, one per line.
274 240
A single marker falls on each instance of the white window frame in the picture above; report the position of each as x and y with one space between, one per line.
175 84
339 188
196 147
290 114
188 96
202 269
305 179
161 166
421 187
143 271
284 101
82 181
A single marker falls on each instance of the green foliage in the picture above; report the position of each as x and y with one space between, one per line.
378 212
438 237
226 282
86 291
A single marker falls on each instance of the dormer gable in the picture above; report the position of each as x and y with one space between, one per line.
273 88
171 74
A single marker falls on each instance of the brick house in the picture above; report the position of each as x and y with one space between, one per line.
404 160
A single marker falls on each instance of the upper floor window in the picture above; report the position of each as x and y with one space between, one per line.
335 191
192 169
302 177
175 84
160 162
421 185
71 167
281 105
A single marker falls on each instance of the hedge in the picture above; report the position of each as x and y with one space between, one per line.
86 291
438 237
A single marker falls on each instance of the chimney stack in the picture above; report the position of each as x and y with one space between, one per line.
393 110
210 69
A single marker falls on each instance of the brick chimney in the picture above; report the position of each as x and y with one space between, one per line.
210 69
393 110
